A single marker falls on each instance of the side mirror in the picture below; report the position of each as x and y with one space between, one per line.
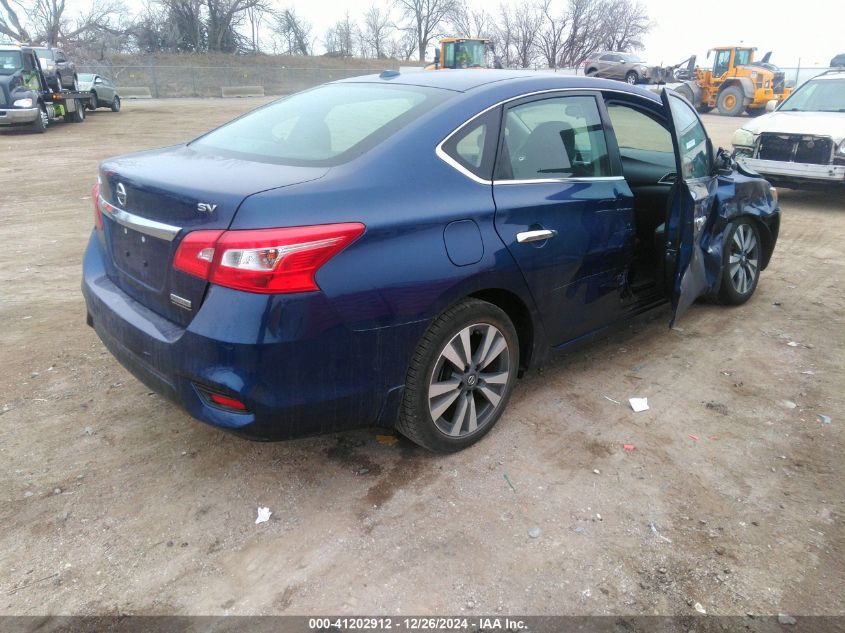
98 81
771 105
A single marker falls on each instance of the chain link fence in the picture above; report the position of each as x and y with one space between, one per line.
209 81
158 80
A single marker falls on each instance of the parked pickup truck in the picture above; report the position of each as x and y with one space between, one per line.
26 98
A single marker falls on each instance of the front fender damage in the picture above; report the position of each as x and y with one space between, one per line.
739 194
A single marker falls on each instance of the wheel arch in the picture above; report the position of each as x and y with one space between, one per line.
520 316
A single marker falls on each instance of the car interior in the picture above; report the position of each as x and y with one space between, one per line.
648 165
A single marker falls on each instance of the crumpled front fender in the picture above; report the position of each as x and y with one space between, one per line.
739 194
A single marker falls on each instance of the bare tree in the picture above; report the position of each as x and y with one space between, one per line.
224 17
625 25
551 36
255 16
341 39
467 22
13 25
294 33
518 33
404 46
377 30
425 18
586 31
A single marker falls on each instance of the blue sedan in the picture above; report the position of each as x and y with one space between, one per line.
395 250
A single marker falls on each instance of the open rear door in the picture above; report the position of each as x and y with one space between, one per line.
691 204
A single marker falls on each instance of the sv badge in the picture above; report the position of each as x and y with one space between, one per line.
205 207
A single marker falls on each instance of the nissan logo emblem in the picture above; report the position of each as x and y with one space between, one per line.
121 194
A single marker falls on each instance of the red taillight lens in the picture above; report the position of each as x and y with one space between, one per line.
226 401
265 260
196 253
98 215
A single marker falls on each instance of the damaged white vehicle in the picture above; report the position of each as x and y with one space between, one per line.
801 143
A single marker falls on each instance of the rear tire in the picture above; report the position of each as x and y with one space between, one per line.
460 377
741 257
731 101
78 115
590 72
115 104
632 78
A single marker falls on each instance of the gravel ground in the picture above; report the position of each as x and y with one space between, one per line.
115 501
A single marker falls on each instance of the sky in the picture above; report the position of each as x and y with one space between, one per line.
813 34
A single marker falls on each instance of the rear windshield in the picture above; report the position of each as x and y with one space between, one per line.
44 53
823 95
86 77
326 126
10 62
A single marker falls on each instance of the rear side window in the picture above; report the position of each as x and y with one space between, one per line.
326 126
557 137
473 147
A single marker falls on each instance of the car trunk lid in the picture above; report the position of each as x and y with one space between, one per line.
151 200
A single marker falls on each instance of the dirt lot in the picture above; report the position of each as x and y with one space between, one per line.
114 501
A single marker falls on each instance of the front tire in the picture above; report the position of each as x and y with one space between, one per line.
93 102
731 101
741 258
632 78
460 377
40 124
115 104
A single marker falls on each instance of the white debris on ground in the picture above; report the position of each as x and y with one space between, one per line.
639 404
263 515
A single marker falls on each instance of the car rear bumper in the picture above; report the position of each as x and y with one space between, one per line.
18 116
798 171
296 377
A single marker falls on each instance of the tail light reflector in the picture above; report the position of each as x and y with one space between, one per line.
265 260
98 215
227 402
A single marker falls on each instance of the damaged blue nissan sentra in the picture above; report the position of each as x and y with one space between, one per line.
394 250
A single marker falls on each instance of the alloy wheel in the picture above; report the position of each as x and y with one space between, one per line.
469 380
744 259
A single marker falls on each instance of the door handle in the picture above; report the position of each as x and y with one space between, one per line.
540 235
699 221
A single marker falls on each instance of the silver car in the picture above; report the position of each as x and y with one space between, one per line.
625 67
103 91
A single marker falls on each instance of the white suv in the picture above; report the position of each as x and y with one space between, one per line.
801 143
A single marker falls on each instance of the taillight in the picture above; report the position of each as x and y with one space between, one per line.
264 260
98 215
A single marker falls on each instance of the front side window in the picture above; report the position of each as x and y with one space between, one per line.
723 60
692 140
325 126
558 137
10 62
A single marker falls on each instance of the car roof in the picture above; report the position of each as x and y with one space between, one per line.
834 73
466 80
